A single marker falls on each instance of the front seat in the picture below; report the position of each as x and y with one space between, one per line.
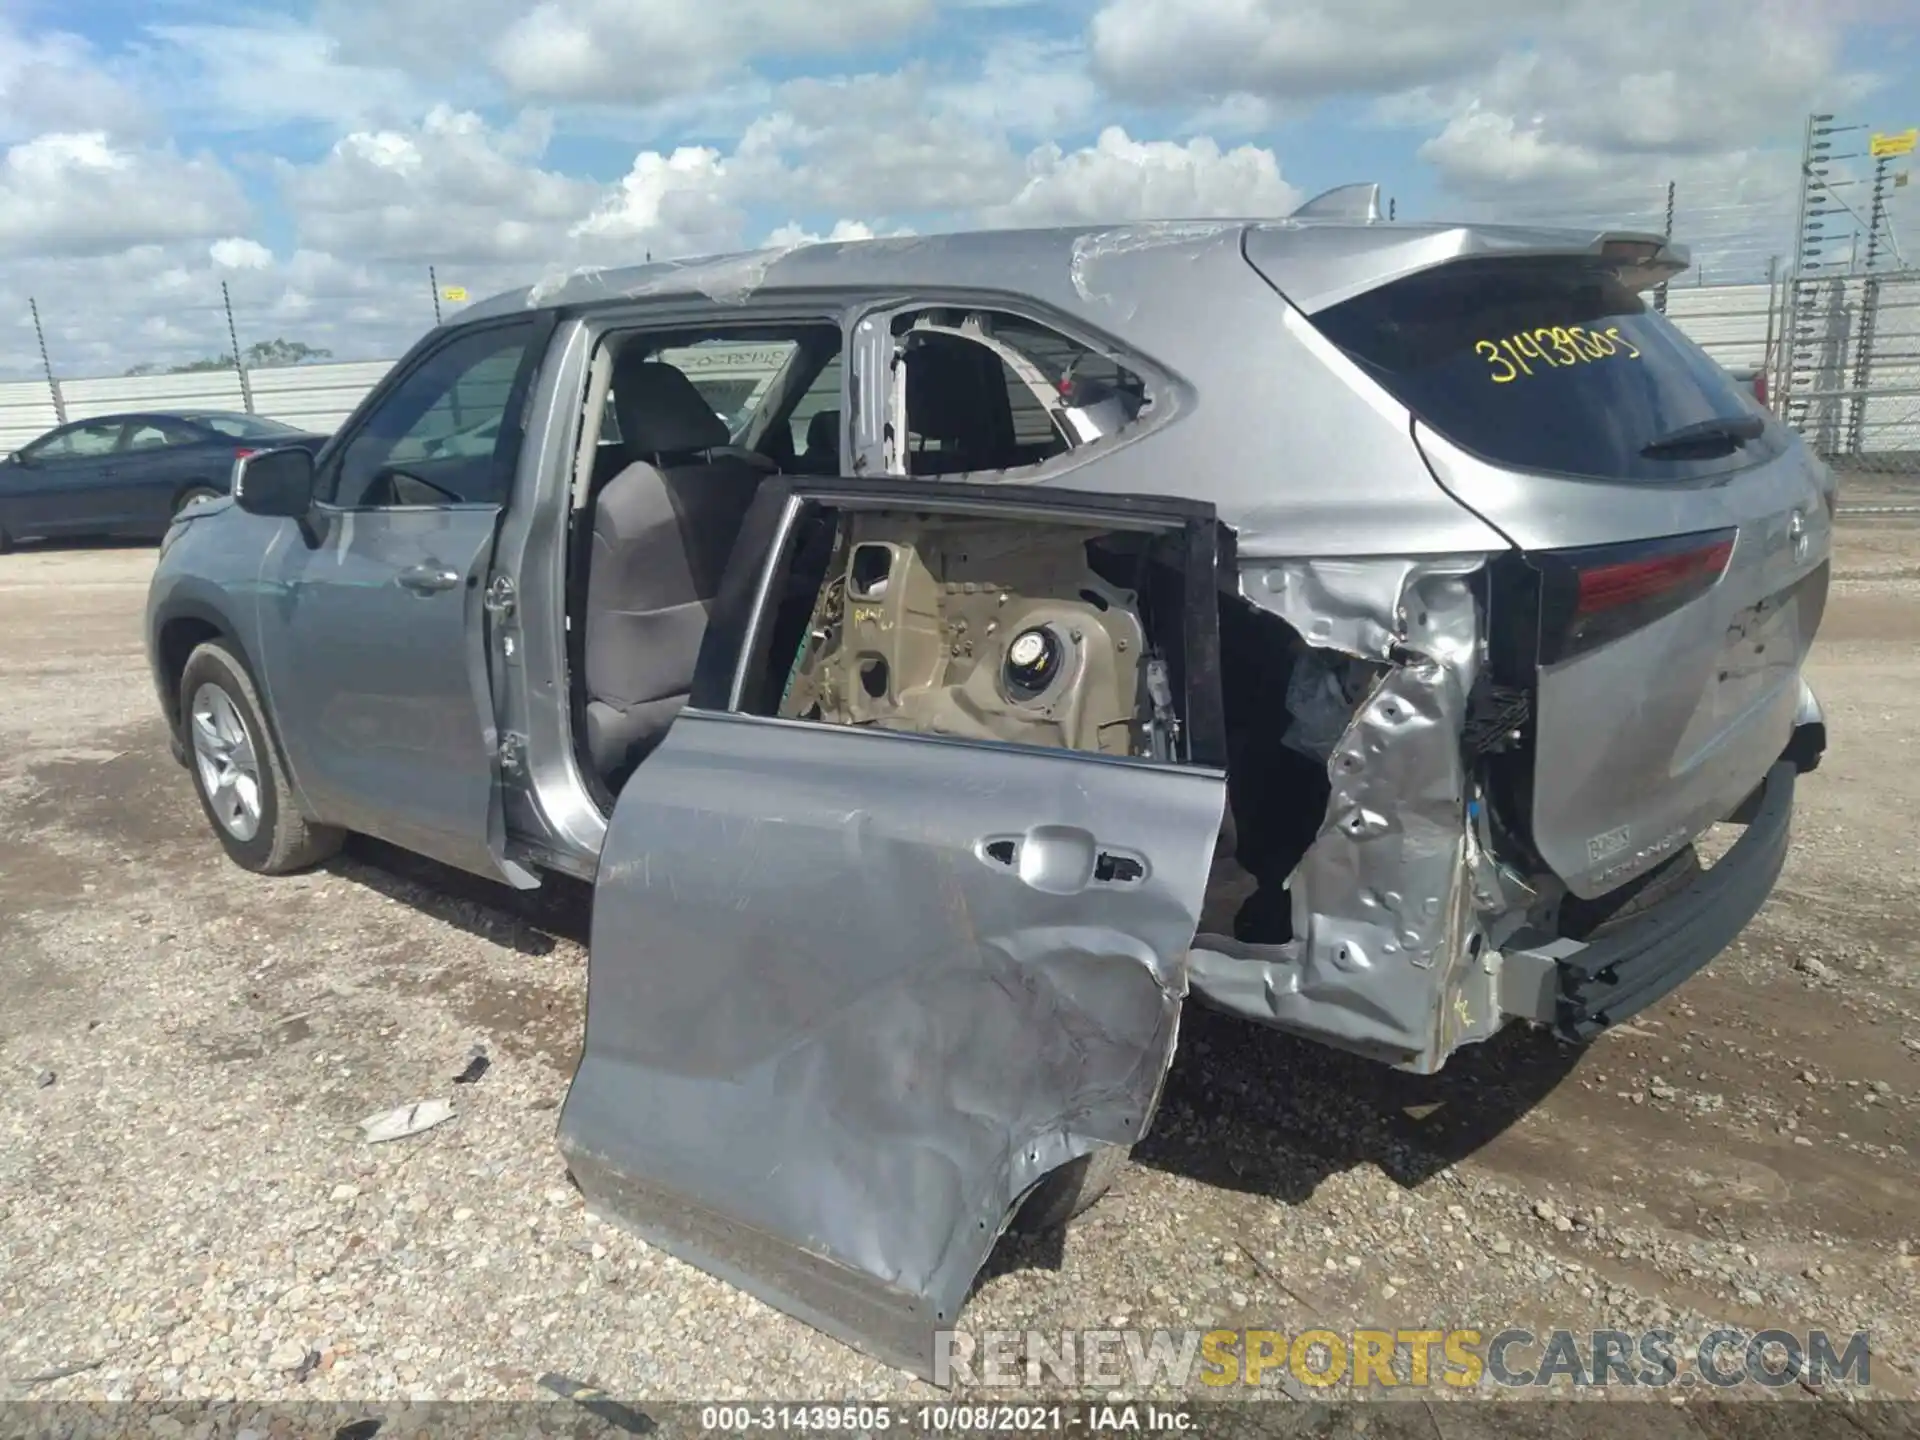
822 455
663 528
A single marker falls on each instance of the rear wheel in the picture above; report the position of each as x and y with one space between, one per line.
236 773
193 495
1070 1191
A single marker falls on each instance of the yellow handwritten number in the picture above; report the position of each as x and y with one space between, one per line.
1563 342
1492 352
1614 331
1524 343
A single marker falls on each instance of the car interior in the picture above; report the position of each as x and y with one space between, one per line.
663 489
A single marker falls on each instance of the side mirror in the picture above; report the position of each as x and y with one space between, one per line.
275 482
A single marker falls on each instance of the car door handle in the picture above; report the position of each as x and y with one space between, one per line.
1062 860
426 579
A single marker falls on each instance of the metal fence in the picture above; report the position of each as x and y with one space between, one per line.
314 397
1841 359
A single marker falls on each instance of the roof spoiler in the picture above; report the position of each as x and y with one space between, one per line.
1359 202
1643 261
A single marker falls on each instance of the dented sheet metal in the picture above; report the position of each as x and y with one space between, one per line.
1387 956
849 999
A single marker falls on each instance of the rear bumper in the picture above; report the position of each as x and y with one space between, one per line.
1581 989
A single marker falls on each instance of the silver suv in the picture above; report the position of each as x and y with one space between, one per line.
1349 625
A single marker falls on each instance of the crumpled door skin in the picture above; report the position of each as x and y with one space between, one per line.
830 1041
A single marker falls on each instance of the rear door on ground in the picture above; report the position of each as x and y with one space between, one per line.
373 621
855 987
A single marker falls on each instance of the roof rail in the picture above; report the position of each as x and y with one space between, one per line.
1359 201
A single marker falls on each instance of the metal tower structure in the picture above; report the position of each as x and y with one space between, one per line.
1816 328
1879 247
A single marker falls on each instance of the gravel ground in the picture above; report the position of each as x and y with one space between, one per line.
188 1209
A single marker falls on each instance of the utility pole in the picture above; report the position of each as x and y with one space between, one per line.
1768 371
53 385
1660 290
233 339
433 284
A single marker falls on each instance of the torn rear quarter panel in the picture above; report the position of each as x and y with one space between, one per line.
1388 957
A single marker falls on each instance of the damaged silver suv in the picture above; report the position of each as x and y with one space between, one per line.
1349 625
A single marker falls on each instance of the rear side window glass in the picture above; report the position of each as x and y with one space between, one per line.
1554 367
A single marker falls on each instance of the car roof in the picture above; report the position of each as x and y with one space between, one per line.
1314 262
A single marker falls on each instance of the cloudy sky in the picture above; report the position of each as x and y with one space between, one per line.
319 155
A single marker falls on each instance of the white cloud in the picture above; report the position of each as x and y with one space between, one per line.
578 52
79 192
793 233
677 204
1120 178
54 82
449 189
616 50
1158 50
160 304
268 72
238 253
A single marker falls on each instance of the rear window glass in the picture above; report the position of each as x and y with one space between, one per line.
1558 368
244 427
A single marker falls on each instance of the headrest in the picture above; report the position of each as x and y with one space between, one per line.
823 432
661 412
944 399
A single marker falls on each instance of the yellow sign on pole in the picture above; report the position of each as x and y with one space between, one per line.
1883 147
455 293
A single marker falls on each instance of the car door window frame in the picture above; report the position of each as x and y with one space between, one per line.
38 451
173 434
507 448
878 396
738 635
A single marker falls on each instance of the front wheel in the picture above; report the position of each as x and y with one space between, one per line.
236 773
191 497
1070 1191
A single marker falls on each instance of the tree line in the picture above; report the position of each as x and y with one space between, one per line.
262 355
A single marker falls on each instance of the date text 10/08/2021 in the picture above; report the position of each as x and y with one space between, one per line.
1564 345
955 1419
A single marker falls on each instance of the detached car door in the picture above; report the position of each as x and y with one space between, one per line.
373 616
895 919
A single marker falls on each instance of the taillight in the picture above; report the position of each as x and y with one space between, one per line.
1593 596
242 452
1760 386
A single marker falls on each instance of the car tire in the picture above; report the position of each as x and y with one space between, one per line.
6 542
1070 1191
193 495
236 769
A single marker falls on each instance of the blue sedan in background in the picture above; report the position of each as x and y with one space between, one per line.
127 476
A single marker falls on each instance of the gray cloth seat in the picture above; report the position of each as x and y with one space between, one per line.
663 529
822 455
